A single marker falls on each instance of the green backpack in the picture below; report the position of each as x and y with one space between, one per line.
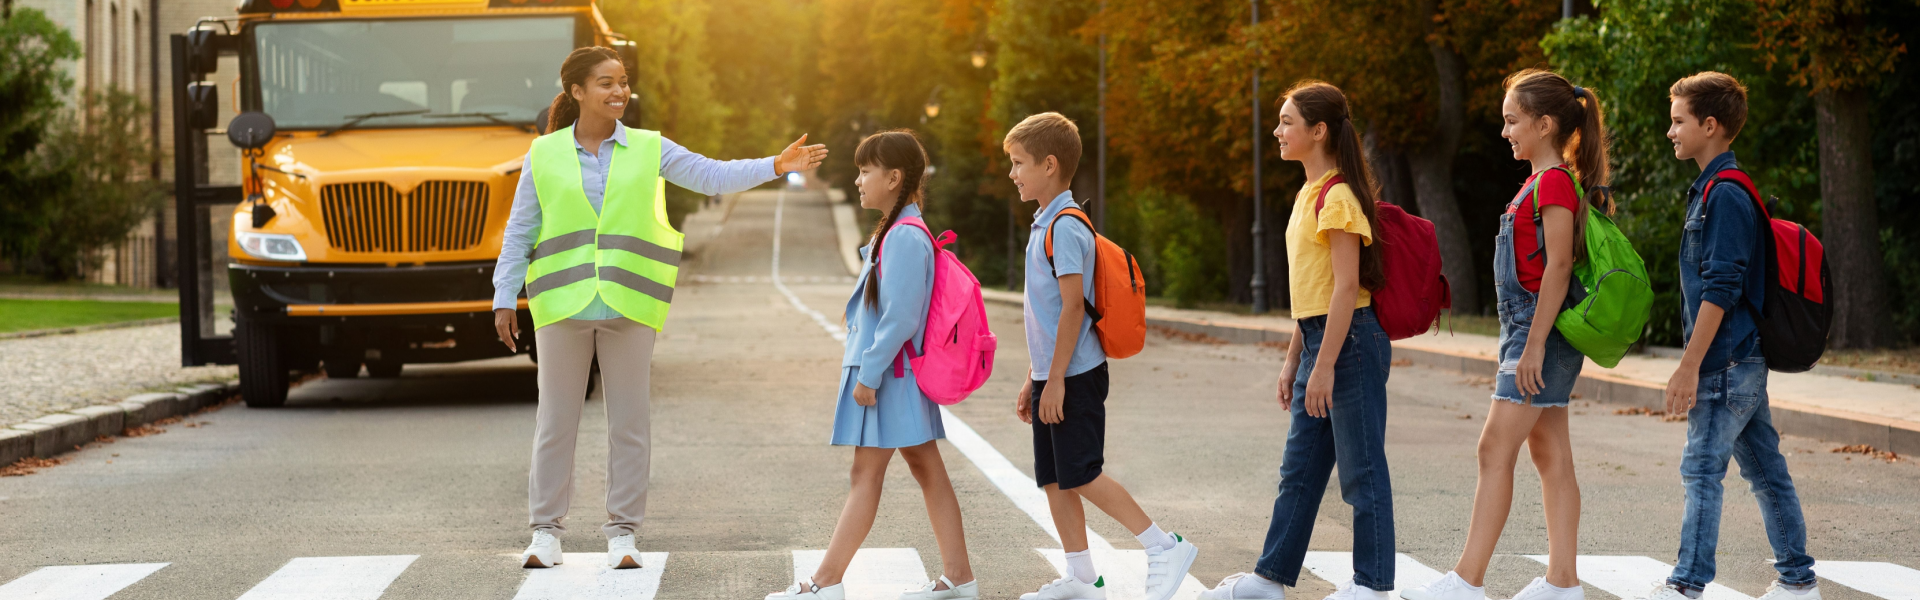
1614 300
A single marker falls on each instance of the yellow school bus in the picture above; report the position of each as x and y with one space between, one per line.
381 142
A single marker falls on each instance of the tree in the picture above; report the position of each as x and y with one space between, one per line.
1837 50
31 84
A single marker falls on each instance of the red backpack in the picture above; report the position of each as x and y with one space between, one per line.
1409 303
1796 316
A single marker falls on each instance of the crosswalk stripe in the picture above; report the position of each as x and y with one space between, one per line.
1124 570
82 582
1337 568
331 578
1634 576
585 576
874 574
1886 580
1016 485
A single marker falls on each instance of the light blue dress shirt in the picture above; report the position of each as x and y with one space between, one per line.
901 415
1072 254
677 164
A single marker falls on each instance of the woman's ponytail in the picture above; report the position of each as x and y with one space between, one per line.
564 111
895 150
574 71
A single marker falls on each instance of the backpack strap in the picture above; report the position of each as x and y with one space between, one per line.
1738 176
1076 213
907 349
1321 202
1539 225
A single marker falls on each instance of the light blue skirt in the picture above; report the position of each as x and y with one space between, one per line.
900 417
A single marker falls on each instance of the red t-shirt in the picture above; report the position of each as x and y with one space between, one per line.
1556 189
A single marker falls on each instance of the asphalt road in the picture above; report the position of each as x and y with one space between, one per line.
433 465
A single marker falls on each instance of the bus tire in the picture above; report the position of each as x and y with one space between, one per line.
263 366
383 369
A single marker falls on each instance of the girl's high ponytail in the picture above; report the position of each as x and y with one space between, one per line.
1590 153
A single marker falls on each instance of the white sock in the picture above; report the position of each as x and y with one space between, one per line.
1080 566
1154 539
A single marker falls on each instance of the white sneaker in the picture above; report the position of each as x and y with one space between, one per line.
1539 589
1664 591
806 590
543 552
1349 591
1070 588
967 591
1451 587
621 554
1775 591
1167 568
1244 586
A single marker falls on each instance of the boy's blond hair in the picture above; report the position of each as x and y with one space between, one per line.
1048 134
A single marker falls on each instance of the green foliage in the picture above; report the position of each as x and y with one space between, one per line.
1896 169
30 315
1629 57
104 152
31 83
1182 253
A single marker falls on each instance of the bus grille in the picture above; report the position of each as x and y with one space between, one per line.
372 217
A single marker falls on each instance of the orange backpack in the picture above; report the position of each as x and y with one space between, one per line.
1119 308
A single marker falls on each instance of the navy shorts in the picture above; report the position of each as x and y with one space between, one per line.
1071 452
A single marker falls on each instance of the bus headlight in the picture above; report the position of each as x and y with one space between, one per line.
272 246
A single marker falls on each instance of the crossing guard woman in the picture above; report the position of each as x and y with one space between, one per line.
588 237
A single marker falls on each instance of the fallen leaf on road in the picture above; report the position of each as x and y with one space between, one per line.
1886 455
27 466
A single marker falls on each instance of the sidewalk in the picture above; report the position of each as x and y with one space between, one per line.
1837 409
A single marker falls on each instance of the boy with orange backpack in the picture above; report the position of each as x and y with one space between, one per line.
1065 259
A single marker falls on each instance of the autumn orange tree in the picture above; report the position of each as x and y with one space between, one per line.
1840 52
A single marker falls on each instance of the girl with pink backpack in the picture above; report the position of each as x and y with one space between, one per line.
916 338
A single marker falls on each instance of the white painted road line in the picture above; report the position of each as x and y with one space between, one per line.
1634 576
1337 568
1886 580
1017 486
331 578
875 574
1124 570
779 208
585 576
84 582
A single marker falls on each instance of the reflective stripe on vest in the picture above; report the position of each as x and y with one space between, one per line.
628 255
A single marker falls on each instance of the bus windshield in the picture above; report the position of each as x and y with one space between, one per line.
429 72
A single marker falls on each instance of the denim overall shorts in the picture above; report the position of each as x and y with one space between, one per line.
1560 362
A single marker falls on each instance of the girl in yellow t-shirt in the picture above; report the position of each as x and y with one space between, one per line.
1335 379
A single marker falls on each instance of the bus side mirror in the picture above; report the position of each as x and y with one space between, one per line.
250 130
203 50
203 105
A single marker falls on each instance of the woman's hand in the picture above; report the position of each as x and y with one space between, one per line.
1287 375
1527 375
863 395
1320 392
507 326
799 158
1023 405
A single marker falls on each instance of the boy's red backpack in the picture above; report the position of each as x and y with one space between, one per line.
1119 307
1409 303
1795 316
956 355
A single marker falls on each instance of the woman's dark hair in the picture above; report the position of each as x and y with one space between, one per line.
1579 132
1321 102
574 71
897 149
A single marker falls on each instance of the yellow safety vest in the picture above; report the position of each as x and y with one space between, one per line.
628 255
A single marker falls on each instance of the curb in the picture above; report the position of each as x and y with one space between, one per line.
1845 427
86 328
58 433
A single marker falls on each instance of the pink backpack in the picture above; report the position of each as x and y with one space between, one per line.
958 348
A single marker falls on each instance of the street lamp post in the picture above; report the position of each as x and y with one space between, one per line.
1259 283
1100 187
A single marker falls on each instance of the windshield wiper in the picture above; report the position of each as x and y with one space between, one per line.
353 120
490 116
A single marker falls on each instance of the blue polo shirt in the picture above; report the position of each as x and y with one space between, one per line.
1072 254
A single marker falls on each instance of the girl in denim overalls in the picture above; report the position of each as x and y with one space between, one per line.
1549 122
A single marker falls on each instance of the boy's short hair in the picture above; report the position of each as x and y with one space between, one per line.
1048 134
1713 94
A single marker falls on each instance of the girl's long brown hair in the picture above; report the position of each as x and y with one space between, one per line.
1321 102
890 150
574 71
1580 132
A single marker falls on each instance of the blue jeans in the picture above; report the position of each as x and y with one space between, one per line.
1731 420
1352 436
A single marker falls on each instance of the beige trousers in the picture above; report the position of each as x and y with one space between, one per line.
567 349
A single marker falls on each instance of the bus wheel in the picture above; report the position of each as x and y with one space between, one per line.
263 367
383 369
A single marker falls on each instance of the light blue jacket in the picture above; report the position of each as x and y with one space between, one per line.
876 334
